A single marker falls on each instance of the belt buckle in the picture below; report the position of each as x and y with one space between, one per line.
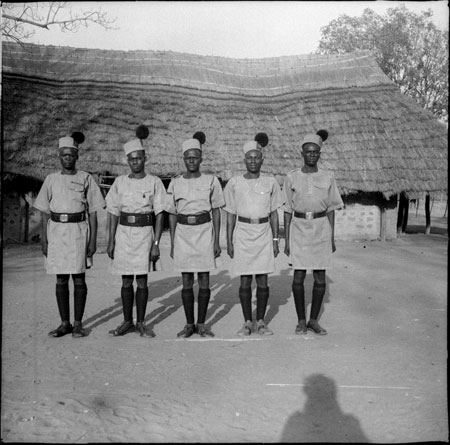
191 219
309 215
64 217
131 219
254 220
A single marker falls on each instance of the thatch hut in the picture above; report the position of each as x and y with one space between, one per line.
381 142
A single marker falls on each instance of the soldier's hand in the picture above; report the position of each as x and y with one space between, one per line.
91 250
287 250
276 248
110 250
171 251
44 247
217 251
230 250
154 253
333 246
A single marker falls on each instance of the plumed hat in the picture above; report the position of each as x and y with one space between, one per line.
72 141
67 142
197 141
319 138
260 140
142 133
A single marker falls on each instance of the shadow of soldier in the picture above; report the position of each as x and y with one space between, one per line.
322 419
169 303
225 290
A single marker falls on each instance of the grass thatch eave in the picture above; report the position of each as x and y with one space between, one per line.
380 140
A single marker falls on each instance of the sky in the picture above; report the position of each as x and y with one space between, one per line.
238 29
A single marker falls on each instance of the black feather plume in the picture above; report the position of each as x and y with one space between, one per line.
78 137
323 134
200 136
262 139
142 132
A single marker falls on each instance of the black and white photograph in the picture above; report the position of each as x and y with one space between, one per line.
224 222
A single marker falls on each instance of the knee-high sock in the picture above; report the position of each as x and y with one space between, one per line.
203 301
245 295
79 297
62 298
317 298
141 303
262 297
299 299
187 296
127 295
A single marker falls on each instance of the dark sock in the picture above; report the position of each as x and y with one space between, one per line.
62 298
203 301
187 296
317 298
141 303
299 299
245 295
262 297
127 294
79 297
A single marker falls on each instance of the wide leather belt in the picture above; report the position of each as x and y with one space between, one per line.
68 217
136 219
253 220
310 215
194 220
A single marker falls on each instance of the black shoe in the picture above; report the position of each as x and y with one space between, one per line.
314 326
61 330
125 328
187 331
204 331
78 331
301 327
144 331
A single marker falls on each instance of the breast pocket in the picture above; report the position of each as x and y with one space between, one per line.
202 193
261 196
78 191
320 189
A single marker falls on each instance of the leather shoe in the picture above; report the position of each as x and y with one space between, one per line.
63 329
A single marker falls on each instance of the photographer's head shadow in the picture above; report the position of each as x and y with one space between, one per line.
322 419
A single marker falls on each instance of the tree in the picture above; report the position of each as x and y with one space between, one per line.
19 19
408 47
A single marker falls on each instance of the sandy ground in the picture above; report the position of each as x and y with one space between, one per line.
379 376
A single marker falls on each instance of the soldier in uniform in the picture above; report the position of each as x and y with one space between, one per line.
194 202
69 201
135 203
252 200
311 197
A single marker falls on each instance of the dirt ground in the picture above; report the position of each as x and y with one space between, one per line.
380 375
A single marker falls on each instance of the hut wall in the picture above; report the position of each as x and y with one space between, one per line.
363 222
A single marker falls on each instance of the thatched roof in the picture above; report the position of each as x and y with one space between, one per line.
380 140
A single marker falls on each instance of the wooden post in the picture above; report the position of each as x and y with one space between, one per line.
427 215
403 210
405 214
382 223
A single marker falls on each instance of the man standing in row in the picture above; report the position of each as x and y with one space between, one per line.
194 202
311 196
69 201
252 200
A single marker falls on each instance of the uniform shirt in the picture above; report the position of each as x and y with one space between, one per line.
69 194
252 198
311 192
195 195
133 195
